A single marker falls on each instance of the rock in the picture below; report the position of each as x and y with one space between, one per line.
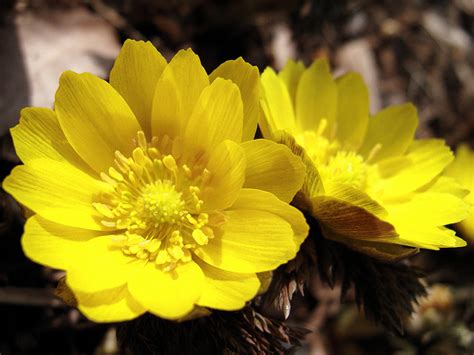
40 46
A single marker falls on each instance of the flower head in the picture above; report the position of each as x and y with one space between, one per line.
149 191
462 169
369 183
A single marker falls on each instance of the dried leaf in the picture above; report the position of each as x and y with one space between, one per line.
386 292
65 293
243 332
289 278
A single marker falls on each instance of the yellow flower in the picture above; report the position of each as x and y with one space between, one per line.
462 169
369 183
149 191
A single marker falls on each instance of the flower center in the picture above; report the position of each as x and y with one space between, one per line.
162 203
334 163
347 168
156 203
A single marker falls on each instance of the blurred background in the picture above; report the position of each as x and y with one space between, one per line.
407 50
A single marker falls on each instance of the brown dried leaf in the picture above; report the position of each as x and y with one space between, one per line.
65 293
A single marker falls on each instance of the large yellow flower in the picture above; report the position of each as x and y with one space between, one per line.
149 191
462 169
370 184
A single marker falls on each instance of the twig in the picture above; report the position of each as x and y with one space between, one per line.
38 297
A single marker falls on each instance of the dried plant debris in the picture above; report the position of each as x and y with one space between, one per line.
288 279
243 332
386 292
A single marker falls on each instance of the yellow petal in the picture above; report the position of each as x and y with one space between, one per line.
291 75
227 291
102 266
227 169
177 92
312 185
265 279
428 238
278 109
39 135
95 119
91 260
444 184
464 158
246 77
169 295
251 241
217 116
425 159
352 110
115 305
429 208
390 132
54 245
462 169
467 225
273 167
57 191
251 199
134 75
316 97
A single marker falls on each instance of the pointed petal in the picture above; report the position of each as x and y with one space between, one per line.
134 75
462 169
429 208
95 119
316 97
57 191
217 116
177 92
291 75
428 238
277 106
425 159
247 78
273 167
227 291
390 132
352 110
169 295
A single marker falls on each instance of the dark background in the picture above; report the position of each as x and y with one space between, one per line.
419 51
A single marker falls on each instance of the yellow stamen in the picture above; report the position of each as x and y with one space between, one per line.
155 201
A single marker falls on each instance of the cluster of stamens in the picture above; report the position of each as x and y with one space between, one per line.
332 161
157 203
